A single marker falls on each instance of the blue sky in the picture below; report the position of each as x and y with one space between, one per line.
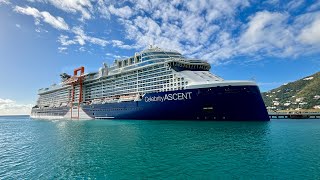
272 42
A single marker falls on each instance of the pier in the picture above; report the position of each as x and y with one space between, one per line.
294 115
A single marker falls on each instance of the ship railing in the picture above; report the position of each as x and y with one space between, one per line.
189 64
188 60
115 99
50 89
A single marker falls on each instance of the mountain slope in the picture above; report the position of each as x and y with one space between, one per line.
303 93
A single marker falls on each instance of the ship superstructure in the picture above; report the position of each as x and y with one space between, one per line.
134 87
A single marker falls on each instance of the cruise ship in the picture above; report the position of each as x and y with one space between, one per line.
154 84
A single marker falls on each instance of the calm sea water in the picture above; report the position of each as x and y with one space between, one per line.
123 149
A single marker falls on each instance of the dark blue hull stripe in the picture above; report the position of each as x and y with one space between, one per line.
236 103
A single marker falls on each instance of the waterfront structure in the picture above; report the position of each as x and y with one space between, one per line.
153 84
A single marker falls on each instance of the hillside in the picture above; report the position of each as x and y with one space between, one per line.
301 94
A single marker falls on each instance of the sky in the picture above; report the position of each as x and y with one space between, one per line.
271 42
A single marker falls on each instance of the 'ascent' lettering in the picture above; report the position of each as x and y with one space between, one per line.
169 97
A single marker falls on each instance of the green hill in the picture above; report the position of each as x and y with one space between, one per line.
300 94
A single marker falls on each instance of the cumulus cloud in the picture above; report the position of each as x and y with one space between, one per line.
315 6
261 25
83 7
5 2
56 22
62 49
205 29
311 33
123 12
293 5
103 9
267 32
121 44
10 107
192 29
215 30
115 56
81 38
65 41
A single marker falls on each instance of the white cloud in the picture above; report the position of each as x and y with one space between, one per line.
40 30
56 22
103 9
62 49
82 37
266 31
5 101
28 11
293 5
146 31
205 29
310 34
18 26
5 2
191 29
116 56
273 2
117 42
84 7
315 6
82 49
214 30
122 45
10 107
65 41
123 12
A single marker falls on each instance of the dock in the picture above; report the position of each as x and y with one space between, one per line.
294 115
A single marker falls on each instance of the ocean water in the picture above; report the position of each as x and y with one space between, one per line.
123 149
